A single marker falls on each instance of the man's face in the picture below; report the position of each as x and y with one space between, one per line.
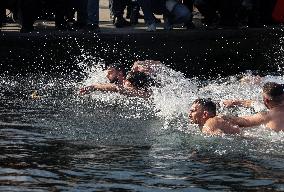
196 114
112 75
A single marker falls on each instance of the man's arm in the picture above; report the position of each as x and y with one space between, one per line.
105 87
241 103
249 121
132 92
109 87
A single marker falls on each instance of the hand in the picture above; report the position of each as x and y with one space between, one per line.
85 90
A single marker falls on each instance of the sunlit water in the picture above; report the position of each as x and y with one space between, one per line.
109 142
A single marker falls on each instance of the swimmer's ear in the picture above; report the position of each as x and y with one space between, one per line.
205 114
266 100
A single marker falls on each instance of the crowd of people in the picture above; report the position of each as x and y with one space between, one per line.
216 13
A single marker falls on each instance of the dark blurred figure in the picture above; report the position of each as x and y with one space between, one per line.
60 7
117 8
266 10
249 13
188 4
25 10
228 12
133 14
219 12
173 12
93 7
79 6
3 6
278 12
256 13
2 14
208 8
28 11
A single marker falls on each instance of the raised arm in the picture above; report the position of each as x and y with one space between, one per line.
236 102
109 87
249 121
105 87
132 92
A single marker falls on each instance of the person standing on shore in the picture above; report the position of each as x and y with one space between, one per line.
93 7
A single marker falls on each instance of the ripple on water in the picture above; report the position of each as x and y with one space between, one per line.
108 142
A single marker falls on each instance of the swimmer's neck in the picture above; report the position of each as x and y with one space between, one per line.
202 123
120 80
278 107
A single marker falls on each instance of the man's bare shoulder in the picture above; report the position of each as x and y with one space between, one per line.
214 121
221 124
276 120
212 126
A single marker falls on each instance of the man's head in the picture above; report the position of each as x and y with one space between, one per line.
115 72
272 94
201 110
140 80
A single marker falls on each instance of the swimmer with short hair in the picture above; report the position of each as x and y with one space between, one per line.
273 99
203 113
116 75
135 84
139 83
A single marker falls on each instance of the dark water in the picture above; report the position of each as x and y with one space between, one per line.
63 142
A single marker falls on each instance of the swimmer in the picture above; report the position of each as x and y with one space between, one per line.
116 75
135 84
203 113
247 79
273 99
139 84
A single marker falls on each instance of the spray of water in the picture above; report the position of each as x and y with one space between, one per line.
114 118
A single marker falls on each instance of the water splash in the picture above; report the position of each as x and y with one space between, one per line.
114 118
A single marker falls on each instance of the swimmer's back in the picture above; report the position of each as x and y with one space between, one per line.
275 120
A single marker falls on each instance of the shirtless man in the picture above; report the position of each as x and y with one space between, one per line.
135 84
203 113
273 99
116 75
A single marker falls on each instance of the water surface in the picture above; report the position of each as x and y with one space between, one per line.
108 142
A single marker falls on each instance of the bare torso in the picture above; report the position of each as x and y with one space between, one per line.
275 120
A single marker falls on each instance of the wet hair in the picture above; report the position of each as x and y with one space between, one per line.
274 91
140 80
207 104
118 67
